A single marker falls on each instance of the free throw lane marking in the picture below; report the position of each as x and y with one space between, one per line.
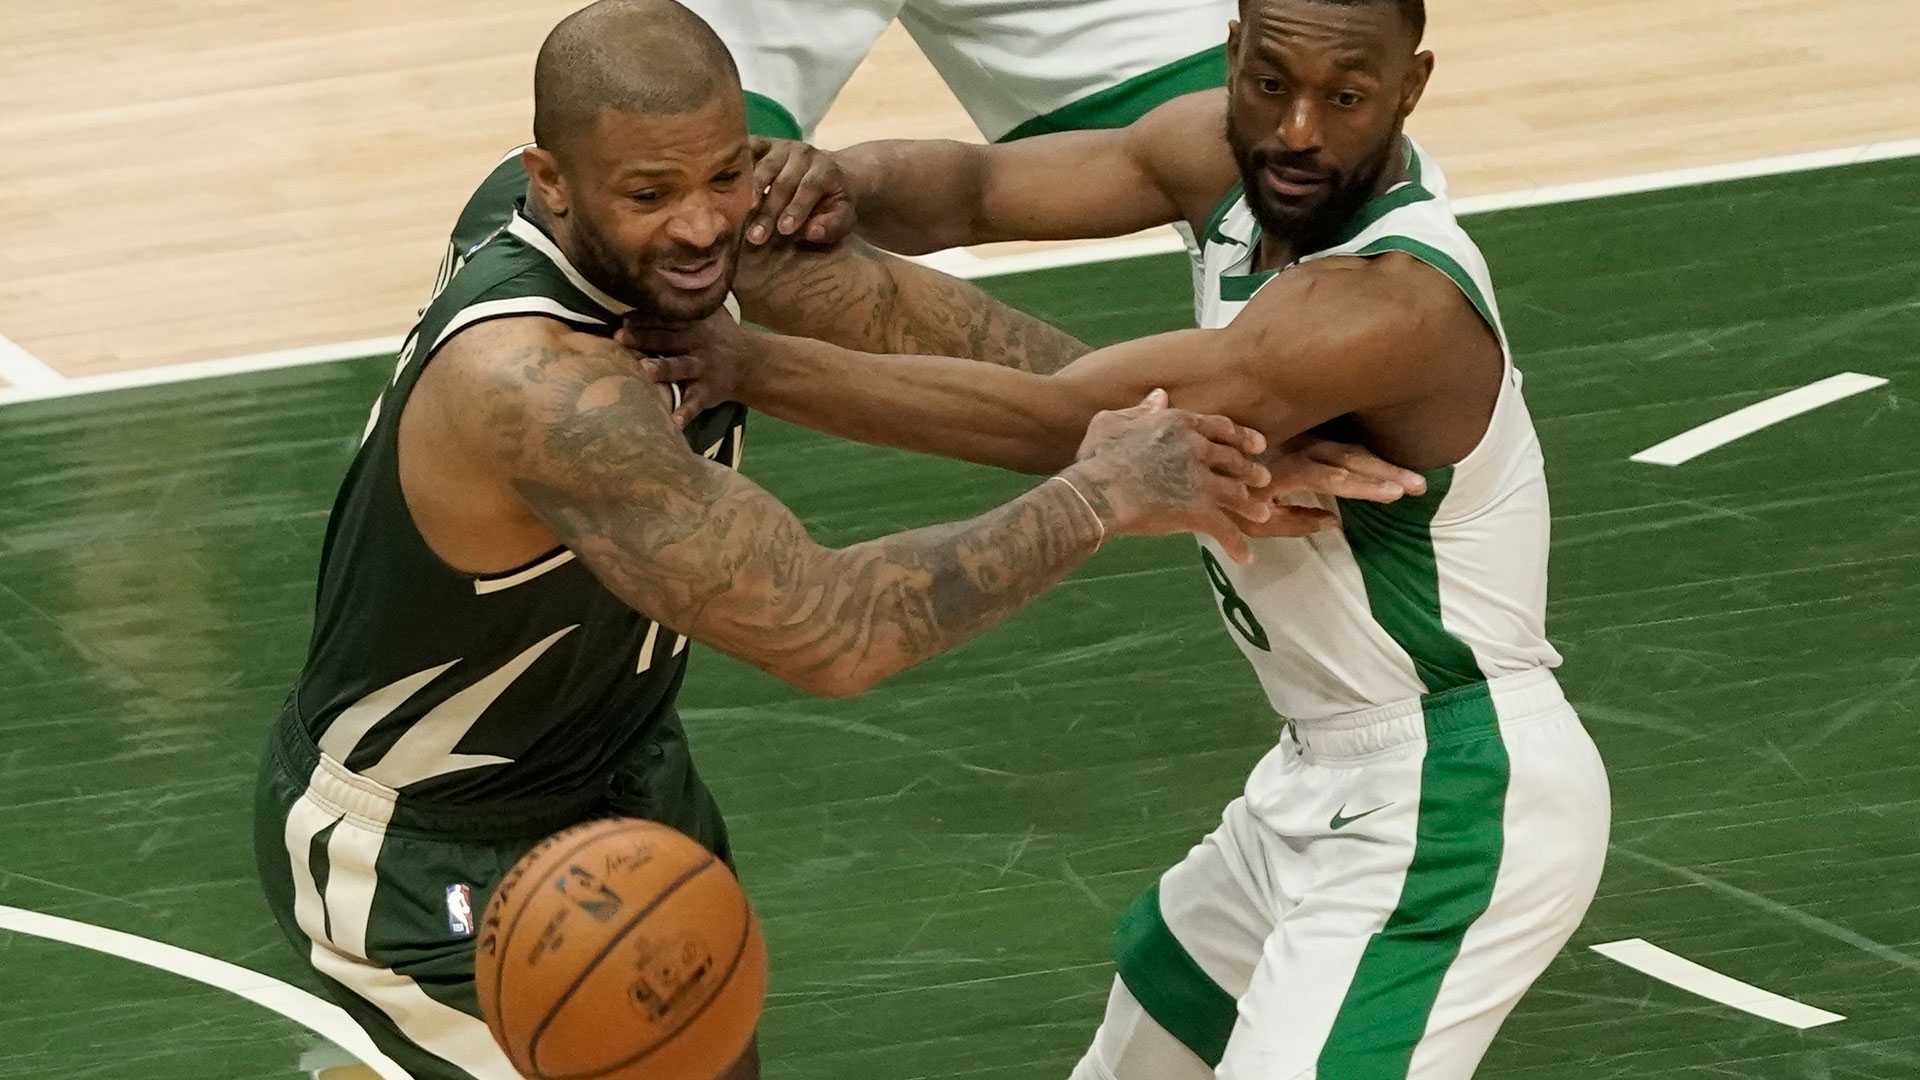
25 370
1714 434
1650 959
321 1017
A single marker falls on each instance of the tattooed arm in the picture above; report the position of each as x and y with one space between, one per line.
562 421
859 297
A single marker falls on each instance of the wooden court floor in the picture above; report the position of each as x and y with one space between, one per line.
940 863
203 180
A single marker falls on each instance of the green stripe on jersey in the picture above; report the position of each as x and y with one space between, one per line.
1456 857
1239 288
1122 104
1393 545
1212 233
1440 261
769 118
1169 984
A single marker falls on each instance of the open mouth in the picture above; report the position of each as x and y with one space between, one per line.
1295 183
693 276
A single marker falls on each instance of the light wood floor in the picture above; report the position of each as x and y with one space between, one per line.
191 181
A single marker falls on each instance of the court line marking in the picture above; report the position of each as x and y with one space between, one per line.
966 264
1652 960
23 369
323 1018
1715 434
162 374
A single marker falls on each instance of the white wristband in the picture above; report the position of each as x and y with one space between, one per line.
1084 501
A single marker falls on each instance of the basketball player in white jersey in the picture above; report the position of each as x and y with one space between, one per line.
1431 826
1020 67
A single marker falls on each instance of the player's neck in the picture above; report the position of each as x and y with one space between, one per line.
557 228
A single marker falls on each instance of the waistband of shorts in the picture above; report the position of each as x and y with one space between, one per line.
373 804
1460 712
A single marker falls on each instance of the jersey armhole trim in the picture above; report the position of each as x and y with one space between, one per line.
1446 264
486 584
506 308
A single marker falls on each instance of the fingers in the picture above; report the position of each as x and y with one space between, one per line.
1106 418
695 398
820 180
1289 522
769 157
1341 484
1235 498
673 369
1228 461
1225 431
1227 534
1359 461
832 225
777 192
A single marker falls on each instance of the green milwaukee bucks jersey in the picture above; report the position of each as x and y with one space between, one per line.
450 686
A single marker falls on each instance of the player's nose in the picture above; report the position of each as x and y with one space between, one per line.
1300 126
699 224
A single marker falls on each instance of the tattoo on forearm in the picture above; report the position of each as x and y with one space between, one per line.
860 298
706 552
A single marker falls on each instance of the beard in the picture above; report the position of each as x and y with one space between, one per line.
631 279
1310 223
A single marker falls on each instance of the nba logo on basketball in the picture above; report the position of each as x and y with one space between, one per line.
460 908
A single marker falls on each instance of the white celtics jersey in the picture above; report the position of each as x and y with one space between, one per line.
1416 597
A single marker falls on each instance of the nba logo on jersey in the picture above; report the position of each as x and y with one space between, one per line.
460 908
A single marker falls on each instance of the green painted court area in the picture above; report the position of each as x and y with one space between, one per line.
940 863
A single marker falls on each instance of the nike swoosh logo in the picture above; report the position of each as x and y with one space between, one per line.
1341 822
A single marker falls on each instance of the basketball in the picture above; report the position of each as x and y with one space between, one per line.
620 950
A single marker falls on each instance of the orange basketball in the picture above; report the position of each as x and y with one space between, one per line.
620 950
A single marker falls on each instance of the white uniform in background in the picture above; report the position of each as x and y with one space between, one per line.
1020 67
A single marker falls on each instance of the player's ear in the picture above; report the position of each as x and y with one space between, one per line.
1233 55
1416 85
543 169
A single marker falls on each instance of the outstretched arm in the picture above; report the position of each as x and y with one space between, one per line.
919 196
562 419
859 297
1338 337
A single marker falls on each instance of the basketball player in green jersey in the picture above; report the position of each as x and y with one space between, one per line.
1431 826
525 544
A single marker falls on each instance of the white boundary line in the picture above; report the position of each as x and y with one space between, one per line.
320 1017
965 264
1654 961
23 369
1715 434
201 369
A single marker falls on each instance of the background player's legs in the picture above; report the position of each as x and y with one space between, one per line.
795 55
1025 67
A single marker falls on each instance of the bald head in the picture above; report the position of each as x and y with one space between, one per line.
651 57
